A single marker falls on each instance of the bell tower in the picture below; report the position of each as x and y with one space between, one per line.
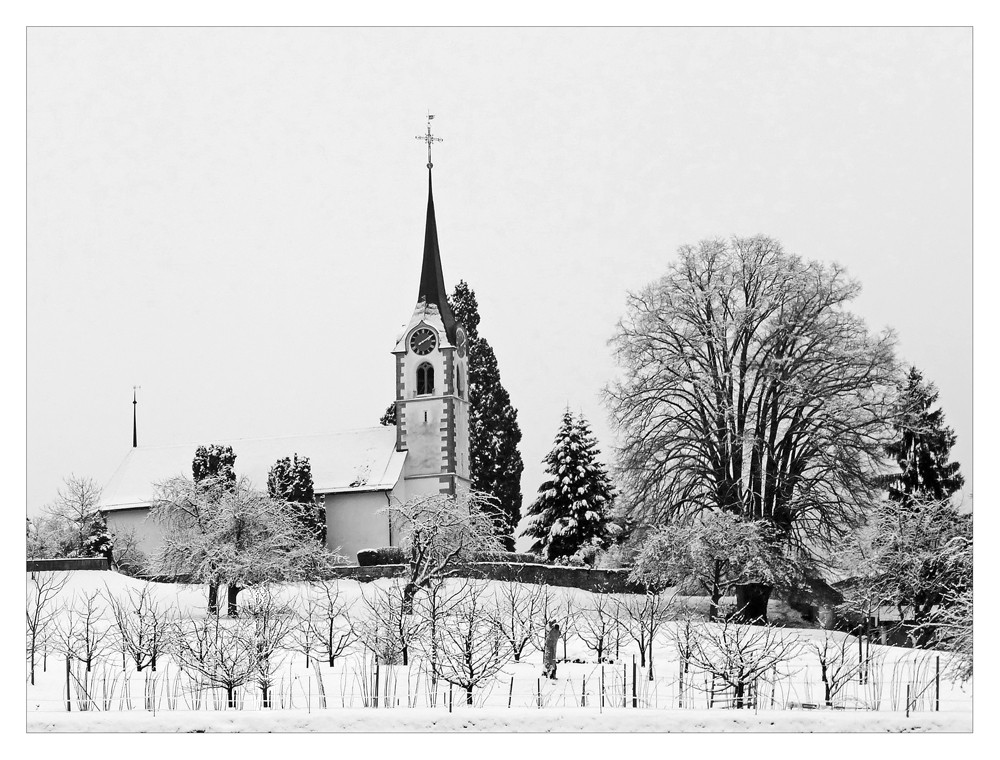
432 377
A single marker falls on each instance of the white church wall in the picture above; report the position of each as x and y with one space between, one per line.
135 522
354 522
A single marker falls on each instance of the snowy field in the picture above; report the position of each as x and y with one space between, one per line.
358 695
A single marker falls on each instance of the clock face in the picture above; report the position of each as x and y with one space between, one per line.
462 341
422 341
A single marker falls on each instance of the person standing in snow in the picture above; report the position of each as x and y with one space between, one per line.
549 655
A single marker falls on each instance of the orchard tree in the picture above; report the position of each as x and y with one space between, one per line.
921 447
570 512
291 481
495 464
748 387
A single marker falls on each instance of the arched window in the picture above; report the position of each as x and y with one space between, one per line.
425 380
458 382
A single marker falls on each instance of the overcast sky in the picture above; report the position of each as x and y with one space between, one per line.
233 218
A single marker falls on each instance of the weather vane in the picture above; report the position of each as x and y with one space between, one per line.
429 139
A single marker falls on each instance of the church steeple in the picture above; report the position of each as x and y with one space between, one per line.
432 290
432 376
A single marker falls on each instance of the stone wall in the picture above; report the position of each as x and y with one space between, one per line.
88 563
588 579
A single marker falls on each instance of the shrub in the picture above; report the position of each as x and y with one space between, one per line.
385 555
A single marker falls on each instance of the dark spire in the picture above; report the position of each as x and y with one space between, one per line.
432 289
135 429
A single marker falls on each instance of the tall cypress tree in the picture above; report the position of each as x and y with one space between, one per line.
571 510
922 447
291 480
495 464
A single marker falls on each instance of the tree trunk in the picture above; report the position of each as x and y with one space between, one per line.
231 592
213 599
751 603
319 684
409 592
468 696
713 605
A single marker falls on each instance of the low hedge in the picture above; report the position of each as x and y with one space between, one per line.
385 555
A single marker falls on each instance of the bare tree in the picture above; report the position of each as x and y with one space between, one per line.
218 653
41 611
838 661
472 649
682 635
518 608
597 624
388 631
642 616
142 627
83 632
738 655
439 532
749 387
271 631
76 509
435 608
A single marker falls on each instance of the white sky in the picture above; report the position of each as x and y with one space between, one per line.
233 218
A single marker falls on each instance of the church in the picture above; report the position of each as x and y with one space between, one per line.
356 473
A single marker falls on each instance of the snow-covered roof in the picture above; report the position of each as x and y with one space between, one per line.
353 460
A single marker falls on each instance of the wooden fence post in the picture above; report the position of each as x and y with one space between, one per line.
602 688
69 707
907 700
635 699
510 694
583 693
937 683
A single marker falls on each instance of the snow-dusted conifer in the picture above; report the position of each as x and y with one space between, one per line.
570 512
291 480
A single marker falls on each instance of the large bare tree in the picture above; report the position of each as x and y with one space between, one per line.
747 386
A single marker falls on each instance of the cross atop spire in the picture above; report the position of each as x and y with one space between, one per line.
429 139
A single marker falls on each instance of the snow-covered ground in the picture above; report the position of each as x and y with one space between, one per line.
521 720
518 699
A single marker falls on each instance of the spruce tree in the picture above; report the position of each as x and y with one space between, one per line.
571 510
921 447
291 480
495 464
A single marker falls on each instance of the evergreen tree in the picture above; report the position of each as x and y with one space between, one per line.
571 510
389 417
214 461
922 447
291 480
495 464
